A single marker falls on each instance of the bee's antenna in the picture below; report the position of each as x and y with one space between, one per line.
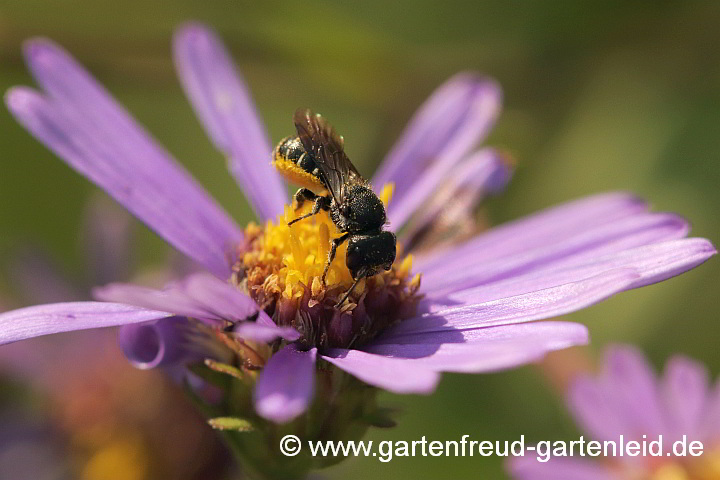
347 294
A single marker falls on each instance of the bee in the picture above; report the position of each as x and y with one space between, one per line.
315 160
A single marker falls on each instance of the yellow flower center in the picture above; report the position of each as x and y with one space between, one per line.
704 467
281 266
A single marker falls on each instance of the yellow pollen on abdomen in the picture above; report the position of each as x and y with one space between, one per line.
297 176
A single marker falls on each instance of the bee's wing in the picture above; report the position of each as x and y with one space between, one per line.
326 146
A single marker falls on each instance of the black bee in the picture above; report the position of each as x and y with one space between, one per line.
315 160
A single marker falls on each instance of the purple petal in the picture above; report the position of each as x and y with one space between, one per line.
595 410
541 229
652 263
65 317
502 347
447 127
554 334
399 375
199 296
622 401
107 232
685 391
537 305
154 344
462 189
286 385
464 357
557 468
634 387
83 125
260 332
468 271
222 102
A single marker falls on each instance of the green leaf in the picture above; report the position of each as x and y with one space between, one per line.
230 423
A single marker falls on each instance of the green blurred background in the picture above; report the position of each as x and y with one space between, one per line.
599 96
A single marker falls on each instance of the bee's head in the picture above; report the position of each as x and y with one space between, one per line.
369 254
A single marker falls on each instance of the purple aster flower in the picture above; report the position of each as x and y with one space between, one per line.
628 399
260 315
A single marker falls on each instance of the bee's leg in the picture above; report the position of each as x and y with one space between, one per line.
301 195
321 203
331 255
347 294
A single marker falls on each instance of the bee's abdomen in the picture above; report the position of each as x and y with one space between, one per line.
296 165
291 150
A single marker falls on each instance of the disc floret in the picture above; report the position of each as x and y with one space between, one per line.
280 266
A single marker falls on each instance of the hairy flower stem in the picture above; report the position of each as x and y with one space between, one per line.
343 409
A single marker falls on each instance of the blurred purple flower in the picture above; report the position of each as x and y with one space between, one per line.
627 398
481 296
92 388
36 278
